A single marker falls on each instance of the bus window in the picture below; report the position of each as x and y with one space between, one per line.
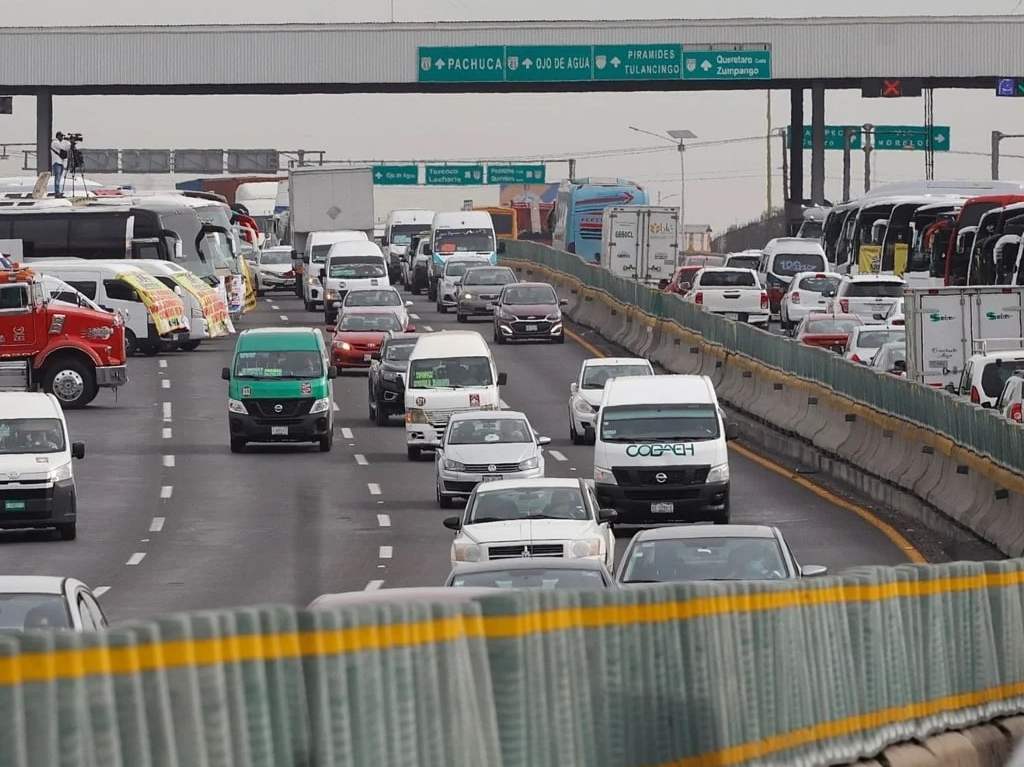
98 235
42 234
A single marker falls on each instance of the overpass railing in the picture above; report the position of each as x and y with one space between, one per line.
806 672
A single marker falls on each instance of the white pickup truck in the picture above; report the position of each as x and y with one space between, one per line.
734 293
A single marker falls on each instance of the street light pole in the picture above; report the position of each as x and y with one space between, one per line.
676 137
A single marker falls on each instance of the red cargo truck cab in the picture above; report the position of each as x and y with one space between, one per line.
70 351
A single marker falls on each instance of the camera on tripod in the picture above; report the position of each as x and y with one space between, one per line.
73 138
74 158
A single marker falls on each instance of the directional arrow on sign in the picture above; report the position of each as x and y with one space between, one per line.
616 61
939 139
706 65
378 176
439 63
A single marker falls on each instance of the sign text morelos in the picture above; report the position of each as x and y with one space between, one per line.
636 62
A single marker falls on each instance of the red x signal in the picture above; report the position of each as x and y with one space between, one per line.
892 88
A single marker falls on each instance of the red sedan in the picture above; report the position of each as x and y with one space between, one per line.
359 335
828 331
682 281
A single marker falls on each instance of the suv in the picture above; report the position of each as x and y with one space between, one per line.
386 381
528 310
986 374
865 295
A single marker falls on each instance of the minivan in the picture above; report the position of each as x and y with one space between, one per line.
783 258
317 246
349 266
449 373
279 388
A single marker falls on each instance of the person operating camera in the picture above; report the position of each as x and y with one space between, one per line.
59 149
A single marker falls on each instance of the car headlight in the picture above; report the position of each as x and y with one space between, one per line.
467 552
529 463
322 405
503 315
311 280
556 317
586 547
719 473
60 474
604 476
100 332
415 415
451 465
330 295
583 407
237 406
389 376
467 296
343 345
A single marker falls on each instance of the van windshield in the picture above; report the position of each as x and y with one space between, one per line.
788 264
450 373
648 423
459 240
596 376
31 435
217 249
402 234
279 364
357 267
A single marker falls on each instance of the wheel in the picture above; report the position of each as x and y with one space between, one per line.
71 381
67 532
309 305
722 516
442 308
380 415
575 436
444 501
560 339
131 346
326 442
498 338
237 445
413 453
371 407
432 292
460 317
149 348
189 346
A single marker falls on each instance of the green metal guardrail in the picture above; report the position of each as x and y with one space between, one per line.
967 425
799 673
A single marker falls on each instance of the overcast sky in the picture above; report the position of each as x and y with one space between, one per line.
726 184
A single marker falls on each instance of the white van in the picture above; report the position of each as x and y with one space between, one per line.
449 373
317 246
398 233
38 489
355 265
128 290
783 258
660 452
463 232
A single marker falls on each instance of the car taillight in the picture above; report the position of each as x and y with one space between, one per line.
698 298
764 300
794 297
975 396
844 306
1015 412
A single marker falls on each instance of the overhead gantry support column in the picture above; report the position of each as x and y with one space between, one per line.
44 128
818 143
794 204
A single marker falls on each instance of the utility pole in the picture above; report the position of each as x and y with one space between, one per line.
997 137
868 148
572 169
785 164
848 134
929 144
768 156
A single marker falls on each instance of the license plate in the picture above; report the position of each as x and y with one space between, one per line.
366 357
662 508
531 328
279 431
730 316
492 477
14 505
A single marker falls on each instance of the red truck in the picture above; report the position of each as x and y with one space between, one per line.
70 351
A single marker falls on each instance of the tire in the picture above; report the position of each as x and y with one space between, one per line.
442 308
575 436
189 346
560 339
67 532
444 501
380 415
722 516
131 345
413 453
309 305
431 292
149 348
237 445
460 318
371 407
327 442
71 381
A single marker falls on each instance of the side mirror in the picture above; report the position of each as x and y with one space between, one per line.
950 388
335 304
900 366
987 405
408 303
732 431
331 328
829 293
332 372
375 356
811 571
563 301
410 329
501 246
323 274
78 450
878 316
453 523
502 379
427 250
607 515
573 387
225 373
543 441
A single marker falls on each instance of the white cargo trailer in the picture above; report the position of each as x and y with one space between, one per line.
945 326
640 242
323 199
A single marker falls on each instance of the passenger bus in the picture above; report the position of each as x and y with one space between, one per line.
505 220
579 211
961 241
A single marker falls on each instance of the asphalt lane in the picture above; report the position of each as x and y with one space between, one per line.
170 519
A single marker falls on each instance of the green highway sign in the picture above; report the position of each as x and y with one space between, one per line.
834 137
548 63
463 64
727 65
637 62
911 137
396 175
454 175
581 63
515 174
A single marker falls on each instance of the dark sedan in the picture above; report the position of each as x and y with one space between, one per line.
480 288
536 573
387 376
528 311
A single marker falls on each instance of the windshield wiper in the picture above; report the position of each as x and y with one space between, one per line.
543 516
481 520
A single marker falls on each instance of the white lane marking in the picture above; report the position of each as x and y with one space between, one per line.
162 363
100 591
504 404
166 383
361 460
374 488
384 552
373 585
384 520
275 307
347 433
335 406
156 525
428 328
414 316
169 461
557 456
284 318
167 432
166 491
167 411
572 468
135 558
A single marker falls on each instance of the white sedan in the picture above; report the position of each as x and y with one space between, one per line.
378 298
48 602
533 518
586 391
486 446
